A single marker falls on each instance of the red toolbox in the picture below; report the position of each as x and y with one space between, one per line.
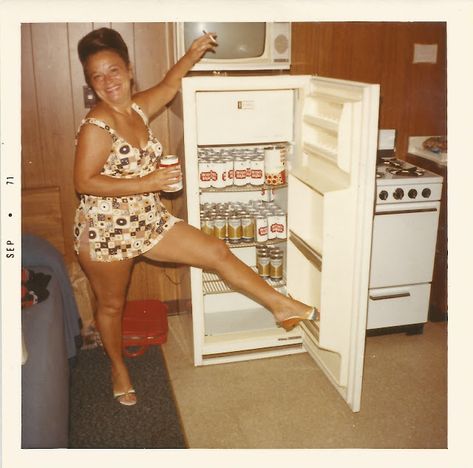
144 323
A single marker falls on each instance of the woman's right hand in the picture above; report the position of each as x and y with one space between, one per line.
162 178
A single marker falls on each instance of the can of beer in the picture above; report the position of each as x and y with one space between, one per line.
262 264
247 228
272 228
229 170
234 229
220 227
239 171
281 224
169 161
207 225
219 173
257 171
261 228
205 172
276 266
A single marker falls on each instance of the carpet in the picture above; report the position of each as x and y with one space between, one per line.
98 421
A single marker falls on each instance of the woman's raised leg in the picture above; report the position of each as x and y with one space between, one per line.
110 281
186 244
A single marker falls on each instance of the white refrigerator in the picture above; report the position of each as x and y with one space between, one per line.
329 130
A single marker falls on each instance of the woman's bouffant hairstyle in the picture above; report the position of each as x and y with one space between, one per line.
101 39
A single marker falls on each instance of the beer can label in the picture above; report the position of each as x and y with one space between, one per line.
167 161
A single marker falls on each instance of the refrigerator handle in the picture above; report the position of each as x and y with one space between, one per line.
311 254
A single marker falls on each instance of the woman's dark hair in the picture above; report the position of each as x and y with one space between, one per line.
102 39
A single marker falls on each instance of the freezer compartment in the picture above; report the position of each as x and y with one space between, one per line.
403 305
236 117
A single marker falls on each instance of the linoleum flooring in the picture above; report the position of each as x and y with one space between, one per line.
288 403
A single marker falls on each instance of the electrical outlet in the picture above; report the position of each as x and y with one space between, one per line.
89 97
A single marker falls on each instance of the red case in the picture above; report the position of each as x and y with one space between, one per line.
144 323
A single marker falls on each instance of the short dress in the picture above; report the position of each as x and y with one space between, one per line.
123 227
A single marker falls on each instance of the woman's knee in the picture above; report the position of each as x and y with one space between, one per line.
218 254
111 306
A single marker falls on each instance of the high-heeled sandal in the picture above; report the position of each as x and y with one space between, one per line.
291 322
118 396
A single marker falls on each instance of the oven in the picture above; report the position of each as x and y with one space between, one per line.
403 247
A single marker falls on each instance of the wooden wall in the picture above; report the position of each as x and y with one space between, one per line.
413 96
413 101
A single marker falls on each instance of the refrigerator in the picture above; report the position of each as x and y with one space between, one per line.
328 129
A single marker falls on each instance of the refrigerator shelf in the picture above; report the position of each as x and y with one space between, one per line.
213 284
242 188
241 245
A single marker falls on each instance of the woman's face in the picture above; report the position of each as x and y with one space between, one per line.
109 76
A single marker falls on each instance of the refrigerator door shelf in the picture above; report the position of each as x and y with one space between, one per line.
330 212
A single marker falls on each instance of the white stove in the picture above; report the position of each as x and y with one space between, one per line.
400 182
404 242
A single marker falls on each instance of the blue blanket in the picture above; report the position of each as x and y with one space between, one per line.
39 252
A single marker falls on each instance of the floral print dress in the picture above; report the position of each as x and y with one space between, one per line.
123 227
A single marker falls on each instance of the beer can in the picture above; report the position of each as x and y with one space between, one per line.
261 228
229 164
205 173
247 228
257 171
262 264
239 171
220 227
219 168
234 229
272 225
169 161
276 266
281 224
207 225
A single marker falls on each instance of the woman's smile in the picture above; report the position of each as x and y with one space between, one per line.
109 76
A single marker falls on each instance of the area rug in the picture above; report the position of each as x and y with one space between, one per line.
98 421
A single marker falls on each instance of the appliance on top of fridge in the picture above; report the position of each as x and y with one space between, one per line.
283 169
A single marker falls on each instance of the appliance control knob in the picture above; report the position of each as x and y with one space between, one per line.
383 195
398 194
412 193
426 193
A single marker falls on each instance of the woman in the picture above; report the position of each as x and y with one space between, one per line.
120 216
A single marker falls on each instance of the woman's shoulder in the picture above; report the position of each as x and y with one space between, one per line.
101 113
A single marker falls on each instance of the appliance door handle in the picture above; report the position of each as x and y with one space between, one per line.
423 210
390 296
311 254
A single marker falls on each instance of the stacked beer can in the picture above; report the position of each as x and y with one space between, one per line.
237 222
270 262
223 167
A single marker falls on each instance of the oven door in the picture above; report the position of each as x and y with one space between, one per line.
404 238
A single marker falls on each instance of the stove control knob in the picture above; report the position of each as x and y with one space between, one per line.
412 193
383 195
426 193
398 194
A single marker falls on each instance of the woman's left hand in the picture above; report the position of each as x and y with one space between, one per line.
200 46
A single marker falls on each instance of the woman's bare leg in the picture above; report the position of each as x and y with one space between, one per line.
185 244
109 281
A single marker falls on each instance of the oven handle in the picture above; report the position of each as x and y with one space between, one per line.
423 210
390 296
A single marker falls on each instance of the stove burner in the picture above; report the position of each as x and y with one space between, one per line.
403 171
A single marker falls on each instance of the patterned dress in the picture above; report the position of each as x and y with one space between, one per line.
126 226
